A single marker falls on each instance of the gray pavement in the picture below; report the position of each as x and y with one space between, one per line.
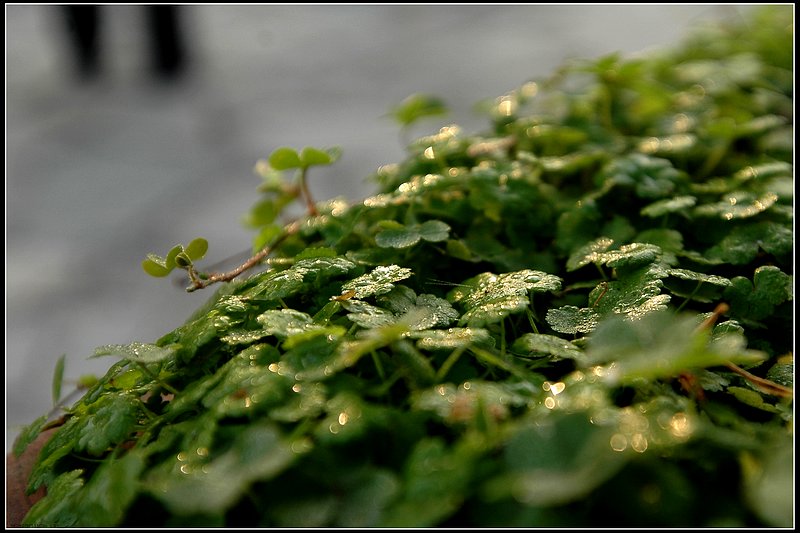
100 173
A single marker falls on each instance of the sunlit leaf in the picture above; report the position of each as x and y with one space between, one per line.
739 204
591 252
699 277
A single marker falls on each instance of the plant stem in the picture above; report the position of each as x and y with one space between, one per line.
197 283
312 209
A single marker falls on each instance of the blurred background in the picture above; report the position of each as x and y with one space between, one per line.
128 151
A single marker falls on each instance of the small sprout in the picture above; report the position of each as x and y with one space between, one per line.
285 158
178 256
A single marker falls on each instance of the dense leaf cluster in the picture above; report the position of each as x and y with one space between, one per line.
581 317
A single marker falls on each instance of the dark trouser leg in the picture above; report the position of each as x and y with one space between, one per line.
83 23
167 52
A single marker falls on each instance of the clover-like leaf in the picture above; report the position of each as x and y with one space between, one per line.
636 292
367 315
634 254
591 252
310 156
434 231
284 159
756 300
699 277
572 320
743 243
489 298
283 323
396 235
379 281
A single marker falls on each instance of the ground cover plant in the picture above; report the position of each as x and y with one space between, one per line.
581 317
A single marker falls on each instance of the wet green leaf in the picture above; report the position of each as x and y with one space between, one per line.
699 277
136 351
570 319
451 338
379 281
367 315
782 374
396 235
489 298
591 252
283 323
540 345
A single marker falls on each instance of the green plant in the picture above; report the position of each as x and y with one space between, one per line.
582 317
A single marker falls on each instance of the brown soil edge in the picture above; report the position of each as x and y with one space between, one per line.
18 470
